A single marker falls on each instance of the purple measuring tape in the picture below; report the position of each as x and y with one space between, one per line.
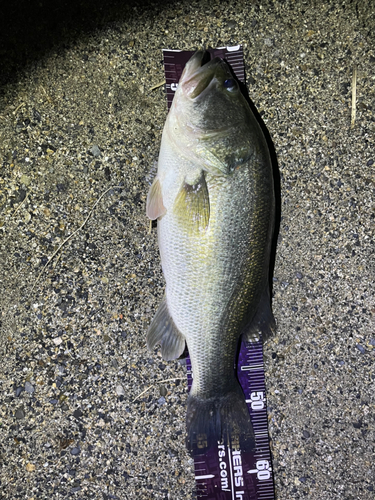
221 472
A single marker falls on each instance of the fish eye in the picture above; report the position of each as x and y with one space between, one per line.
230 84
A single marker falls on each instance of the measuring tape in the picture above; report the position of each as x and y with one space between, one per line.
223 472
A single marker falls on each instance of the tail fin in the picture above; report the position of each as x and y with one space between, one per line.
224 419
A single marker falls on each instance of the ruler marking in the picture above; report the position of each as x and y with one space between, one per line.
231 472
207 476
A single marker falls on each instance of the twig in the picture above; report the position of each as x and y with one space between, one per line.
139 395
157 85
49 98
18 107
354 94
153 385
71 236
19 206
169 380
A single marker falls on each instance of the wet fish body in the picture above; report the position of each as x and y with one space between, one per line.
213 197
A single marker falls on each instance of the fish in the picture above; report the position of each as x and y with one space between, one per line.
214 202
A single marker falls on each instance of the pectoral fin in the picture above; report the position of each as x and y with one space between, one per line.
155 207
163 331
192 205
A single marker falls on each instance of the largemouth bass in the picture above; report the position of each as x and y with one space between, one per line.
213 197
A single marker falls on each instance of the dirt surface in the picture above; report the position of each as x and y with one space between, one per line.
85 410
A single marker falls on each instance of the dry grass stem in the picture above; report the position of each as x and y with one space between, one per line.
160 84
153 385
354 94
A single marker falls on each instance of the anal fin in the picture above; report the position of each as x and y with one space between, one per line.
164 331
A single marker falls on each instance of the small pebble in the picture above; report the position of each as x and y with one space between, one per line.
120 390
18 391
75 451
231 24
29 388
25 180
95 151
20 414
360 348
78 413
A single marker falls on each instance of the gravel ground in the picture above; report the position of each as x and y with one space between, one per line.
85 410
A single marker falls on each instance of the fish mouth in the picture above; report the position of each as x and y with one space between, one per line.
200 71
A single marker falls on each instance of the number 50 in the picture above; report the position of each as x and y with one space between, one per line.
257 400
